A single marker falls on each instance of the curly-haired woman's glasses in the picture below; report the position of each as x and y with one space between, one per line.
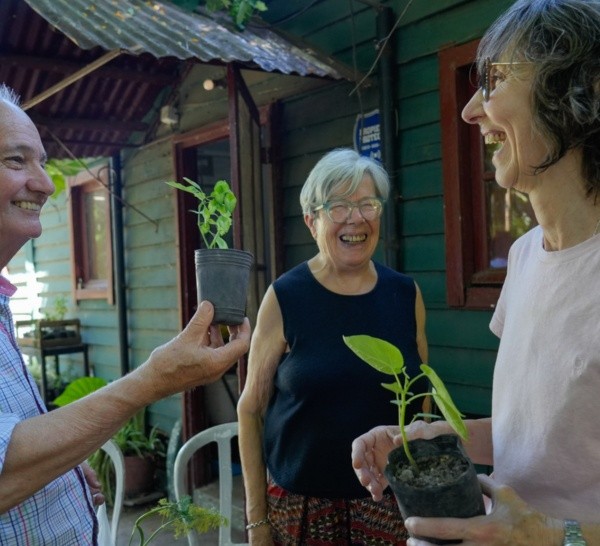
340 211
489 78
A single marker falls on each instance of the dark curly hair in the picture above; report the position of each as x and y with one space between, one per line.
562 40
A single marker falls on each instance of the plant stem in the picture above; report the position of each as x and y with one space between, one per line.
163 526
137 526
402 416
199 223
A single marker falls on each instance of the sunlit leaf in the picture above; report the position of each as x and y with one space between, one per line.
78 389
388 359
214 210
378 353
394 387
445 403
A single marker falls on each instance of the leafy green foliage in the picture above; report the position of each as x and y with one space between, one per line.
132 439
78 388
58 309
388 359
59 169
182 516
214 210
240 10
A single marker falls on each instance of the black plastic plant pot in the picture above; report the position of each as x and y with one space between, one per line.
458 493
222 277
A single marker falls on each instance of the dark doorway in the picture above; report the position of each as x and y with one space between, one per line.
240 151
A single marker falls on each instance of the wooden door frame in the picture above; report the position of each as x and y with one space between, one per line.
194 415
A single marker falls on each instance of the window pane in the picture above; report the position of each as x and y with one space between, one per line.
96 226
509 215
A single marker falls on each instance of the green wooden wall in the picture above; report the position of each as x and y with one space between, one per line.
151 263
461 346
42 272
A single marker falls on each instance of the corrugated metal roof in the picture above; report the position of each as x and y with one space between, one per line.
116 106
165 30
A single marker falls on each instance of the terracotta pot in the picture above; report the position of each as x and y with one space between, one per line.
139 475
222 277
458 497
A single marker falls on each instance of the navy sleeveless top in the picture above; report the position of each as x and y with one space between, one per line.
325 396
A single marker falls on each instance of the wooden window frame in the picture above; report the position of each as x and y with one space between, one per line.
470 282
84 288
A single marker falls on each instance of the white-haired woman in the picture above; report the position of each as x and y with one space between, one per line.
307 396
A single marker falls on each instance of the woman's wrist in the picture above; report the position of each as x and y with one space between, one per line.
548 531
258 523
552 531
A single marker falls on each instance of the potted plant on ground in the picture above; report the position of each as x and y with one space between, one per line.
143 453
430 478
222 273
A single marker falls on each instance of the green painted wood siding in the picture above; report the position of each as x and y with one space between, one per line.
151 264
42 272
461 346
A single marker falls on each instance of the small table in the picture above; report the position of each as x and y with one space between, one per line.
55 350
43 337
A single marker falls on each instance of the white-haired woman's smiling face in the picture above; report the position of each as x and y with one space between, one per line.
351 244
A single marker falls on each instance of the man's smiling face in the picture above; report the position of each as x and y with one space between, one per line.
24 184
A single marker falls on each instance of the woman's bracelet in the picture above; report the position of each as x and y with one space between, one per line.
258 524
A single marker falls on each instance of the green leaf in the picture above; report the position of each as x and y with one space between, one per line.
244 13
221 243
78 389
214 210
445 403
427 416
222 225
230 202
221 187
66 167
177 185
59 169
378 353
214 5
194 185
394 387
60 183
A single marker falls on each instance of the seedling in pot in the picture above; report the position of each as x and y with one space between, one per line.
222 273
388 359
214 210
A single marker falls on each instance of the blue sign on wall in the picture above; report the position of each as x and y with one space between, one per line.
367 135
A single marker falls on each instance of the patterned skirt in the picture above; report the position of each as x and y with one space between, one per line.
298 520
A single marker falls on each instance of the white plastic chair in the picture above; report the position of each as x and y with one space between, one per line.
222 435
116 455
